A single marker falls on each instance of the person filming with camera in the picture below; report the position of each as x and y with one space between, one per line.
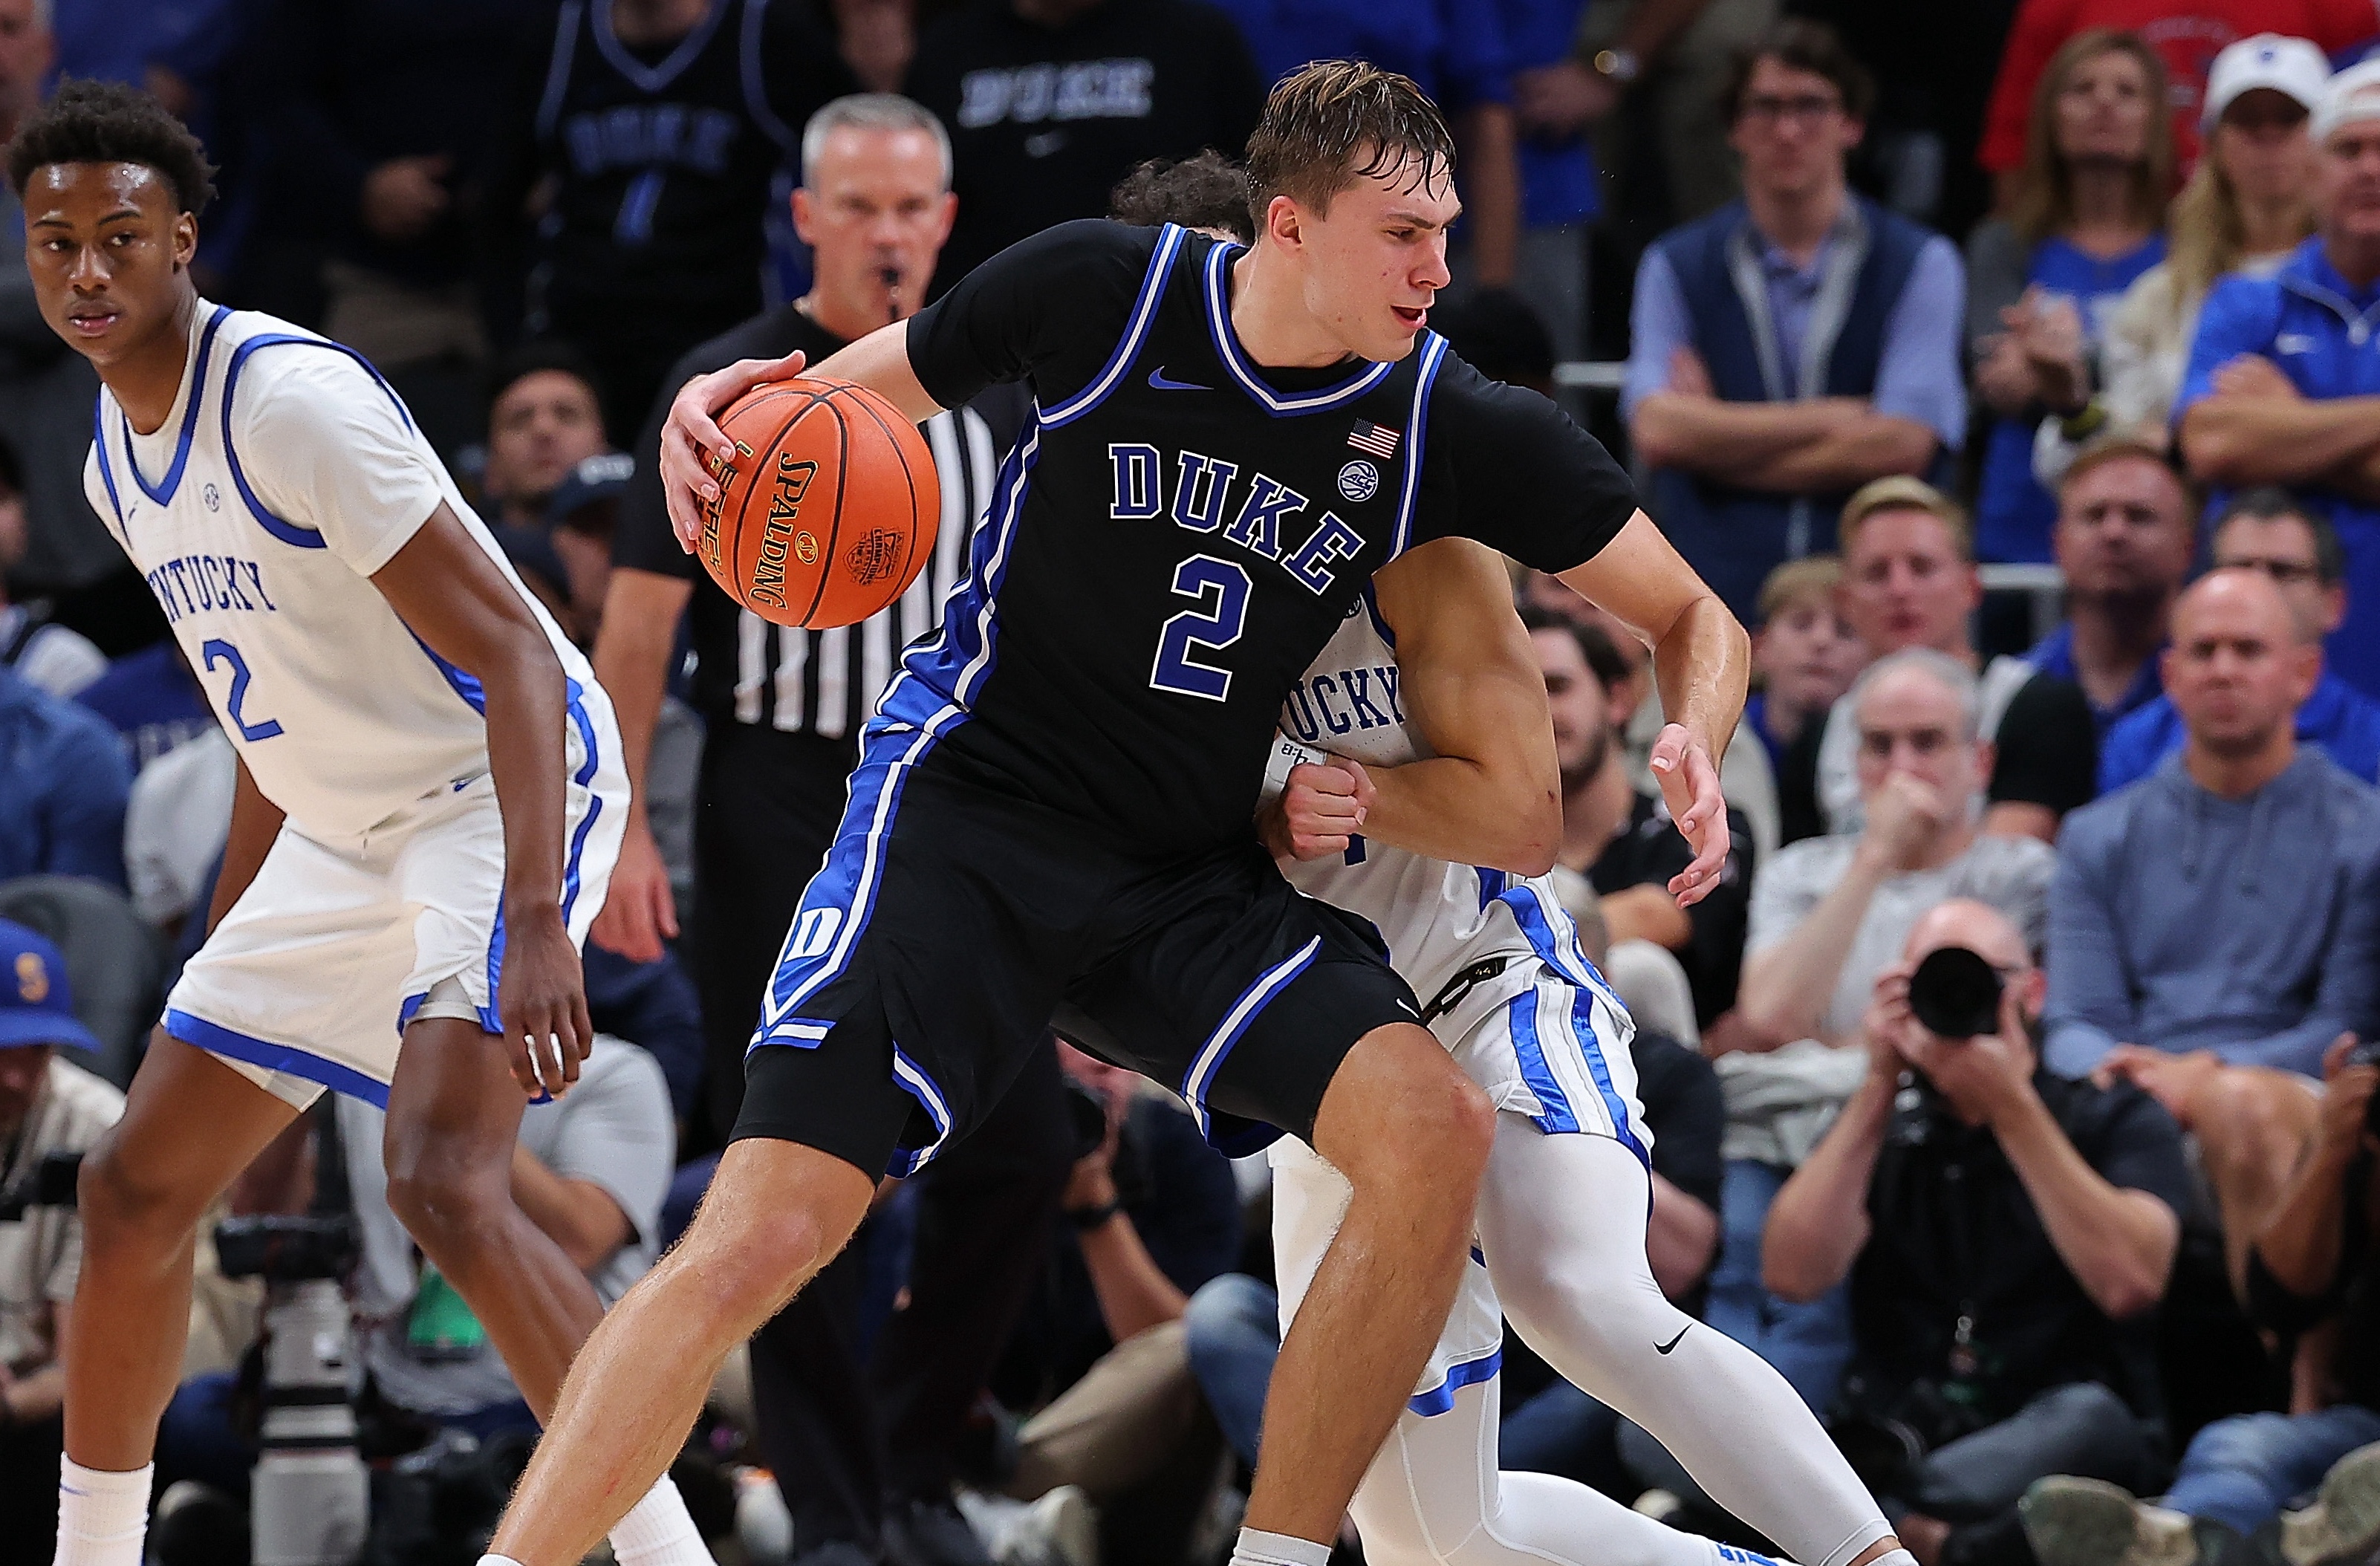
2312 1266
2008 1235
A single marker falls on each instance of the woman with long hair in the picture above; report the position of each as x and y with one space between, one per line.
2246 208
2085 221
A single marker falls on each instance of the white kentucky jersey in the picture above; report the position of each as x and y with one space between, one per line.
1440 921
287 474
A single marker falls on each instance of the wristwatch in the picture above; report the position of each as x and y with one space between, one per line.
1620 64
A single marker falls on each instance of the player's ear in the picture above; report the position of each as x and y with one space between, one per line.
186 239
1284 222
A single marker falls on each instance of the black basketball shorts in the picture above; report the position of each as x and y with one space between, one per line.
952 927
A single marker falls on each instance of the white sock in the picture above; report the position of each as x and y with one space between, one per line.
498 1561
658 1531
1258 1547
1897 1558
103 1516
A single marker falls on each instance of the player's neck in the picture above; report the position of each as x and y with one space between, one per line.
1269 317
146 381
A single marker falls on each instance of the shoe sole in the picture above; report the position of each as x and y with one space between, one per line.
2079 1522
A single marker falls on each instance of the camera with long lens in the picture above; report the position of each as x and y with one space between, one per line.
1956 993
48 1182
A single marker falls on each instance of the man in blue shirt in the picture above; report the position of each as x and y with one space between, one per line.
2264 529
63 783
1796 344
2284 379
2123 542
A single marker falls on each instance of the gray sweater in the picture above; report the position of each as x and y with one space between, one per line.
2185 921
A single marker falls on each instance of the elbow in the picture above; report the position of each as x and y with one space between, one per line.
2213 454
1655 436
2129 1293
1788 1269
1531 848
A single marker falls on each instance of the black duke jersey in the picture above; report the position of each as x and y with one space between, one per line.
1178 532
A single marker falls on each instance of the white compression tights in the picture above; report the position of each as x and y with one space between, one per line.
1562 1222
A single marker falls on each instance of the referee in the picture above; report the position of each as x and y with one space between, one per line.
784 709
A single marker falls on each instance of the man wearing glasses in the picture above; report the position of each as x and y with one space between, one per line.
2270 531
1797 343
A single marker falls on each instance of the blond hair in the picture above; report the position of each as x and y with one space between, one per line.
1810 579
1900 492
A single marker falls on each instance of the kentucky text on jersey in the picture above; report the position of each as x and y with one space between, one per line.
1340 701
1200 495
196 582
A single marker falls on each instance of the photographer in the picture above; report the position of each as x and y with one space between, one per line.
2008 1236
50 1111
2312 1266
1150 1214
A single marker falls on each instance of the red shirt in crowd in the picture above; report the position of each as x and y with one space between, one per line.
2187 35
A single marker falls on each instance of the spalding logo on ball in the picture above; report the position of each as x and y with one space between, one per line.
828 511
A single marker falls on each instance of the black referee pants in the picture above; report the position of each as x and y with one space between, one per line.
841 1437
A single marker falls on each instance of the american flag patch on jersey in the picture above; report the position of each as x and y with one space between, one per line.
1377 439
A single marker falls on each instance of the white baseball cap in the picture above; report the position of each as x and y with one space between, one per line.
2353 95
2288 66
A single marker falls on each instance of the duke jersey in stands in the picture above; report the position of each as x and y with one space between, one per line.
1179 532
287 474
1441 922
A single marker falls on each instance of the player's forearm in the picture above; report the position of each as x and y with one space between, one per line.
1679 1239
2252 439
1873 446
1702 664
255 823
1710 435
1491 189
880 361
2118 1244
527 704
1467 813
1134 1292
1819 1220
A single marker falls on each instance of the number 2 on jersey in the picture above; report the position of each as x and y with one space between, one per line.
1221 589
220 651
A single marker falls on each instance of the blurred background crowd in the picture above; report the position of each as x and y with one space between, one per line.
2009 366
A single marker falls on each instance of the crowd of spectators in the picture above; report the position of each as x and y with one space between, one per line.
1929 326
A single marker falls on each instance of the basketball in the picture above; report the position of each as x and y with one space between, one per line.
829 509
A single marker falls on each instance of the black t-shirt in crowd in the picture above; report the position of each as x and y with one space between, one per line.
1185 531
1959 1286
825 682
1650 852
1044 121
2353 1296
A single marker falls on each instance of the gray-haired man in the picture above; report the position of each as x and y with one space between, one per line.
782 710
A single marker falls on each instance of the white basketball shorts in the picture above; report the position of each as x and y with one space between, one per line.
312 976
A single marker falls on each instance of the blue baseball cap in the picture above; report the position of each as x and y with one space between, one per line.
36 1004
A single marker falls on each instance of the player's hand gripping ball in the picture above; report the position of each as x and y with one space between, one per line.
829 509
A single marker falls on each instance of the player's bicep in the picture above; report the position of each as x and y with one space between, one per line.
1468 678
882 362
452 594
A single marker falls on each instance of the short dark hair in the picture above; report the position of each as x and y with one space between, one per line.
1805 45
1609 668
106 122
543 353
1208 190
1333 122
2266 502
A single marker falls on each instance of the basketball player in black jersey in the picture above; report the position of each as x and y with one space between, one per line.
1052 806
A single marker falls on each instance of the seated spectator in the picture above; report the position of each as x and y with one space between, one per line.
2085 220
2123 542
174 824
1151 1215
2007 1234
2246 208
153 700
2268 530
2284 371
2223 913
545 416
1804 654
1756 432
2312 1266
1049 106
63 785
1910 580
1828 916
1620 837
47 1106
61 662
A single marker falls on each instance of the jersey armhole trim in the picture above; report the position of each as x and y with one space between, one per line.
164 490
1226 349
1433 354
107 469
288 533
1136 332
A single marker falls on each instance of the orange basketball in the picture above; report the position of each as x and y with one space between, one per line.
828 511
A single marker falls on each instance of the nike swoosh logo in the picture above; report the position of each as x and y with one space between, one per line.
1157 379
1665 1348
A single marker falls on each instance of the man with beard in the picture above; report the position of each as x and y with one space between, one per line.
2124 542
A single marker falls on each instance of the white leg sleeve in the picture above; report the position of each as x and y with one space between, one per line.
1562 1222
